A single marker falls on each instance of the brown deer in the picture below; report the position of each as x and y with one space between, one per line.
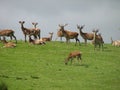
85 36
36 42
68 34
27 31
48 38
97 40
8 33
59 34
74 54
8 44
37 30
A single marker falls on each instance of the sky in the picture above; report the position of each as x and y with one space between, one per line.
94 14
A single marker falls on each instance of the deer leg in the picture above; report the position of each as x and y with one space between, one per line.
35 37
25 38
85 41
10 37
61 39
15 38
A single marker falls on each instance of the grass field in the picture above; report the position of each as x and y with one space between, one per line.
29 67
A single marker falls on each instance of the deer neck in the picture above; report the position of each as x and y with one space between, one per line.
94 36
111 40
50 37
81 31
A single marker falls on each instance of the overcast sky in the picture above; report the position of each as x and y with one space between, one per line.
101 14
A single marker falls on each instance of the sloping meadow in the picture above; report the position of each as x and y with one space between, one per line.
35 67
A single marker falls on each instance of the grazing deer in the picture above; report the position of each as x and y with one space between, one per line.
48 38
8 33
74 54
97 39
68 34
115 43
27 31
37 30
8 44
85 36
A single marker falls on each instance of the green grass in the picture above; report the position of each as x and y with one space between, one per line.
29 67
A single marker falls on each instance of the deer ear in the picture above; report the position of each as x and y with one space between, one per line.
83 25
36 23
59 25
33 23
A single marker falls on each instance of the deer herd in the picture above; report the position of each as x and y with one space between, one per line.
94 36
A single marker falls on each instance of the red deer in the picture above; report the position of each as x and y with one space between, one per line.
68 34
115 43
8 44
74 54
85 36
37 30
97 40
59 34
8 33
27 31
36 42
48 38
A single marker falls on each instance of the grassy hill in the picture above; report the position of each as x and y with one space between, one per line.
29 67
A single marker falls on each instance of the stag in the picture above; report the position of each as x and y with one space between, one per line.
8 33
69 34
85 36
27 31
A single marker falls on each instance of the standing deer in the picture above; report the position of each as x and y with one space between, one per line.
48 38
59 34
85 36
8 33
27 31
68 34
97 40
36 30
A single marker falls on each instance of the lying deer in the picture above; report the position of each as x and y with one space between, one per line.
36 42
48 38
115 42
74 54
8 44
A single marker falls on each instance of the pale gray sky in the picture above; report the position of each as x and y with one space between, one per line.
101 14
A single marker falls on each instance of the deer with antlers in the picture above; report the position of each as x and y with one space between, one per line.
69 34
85 36
27 31
37 31
97 40
8 33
